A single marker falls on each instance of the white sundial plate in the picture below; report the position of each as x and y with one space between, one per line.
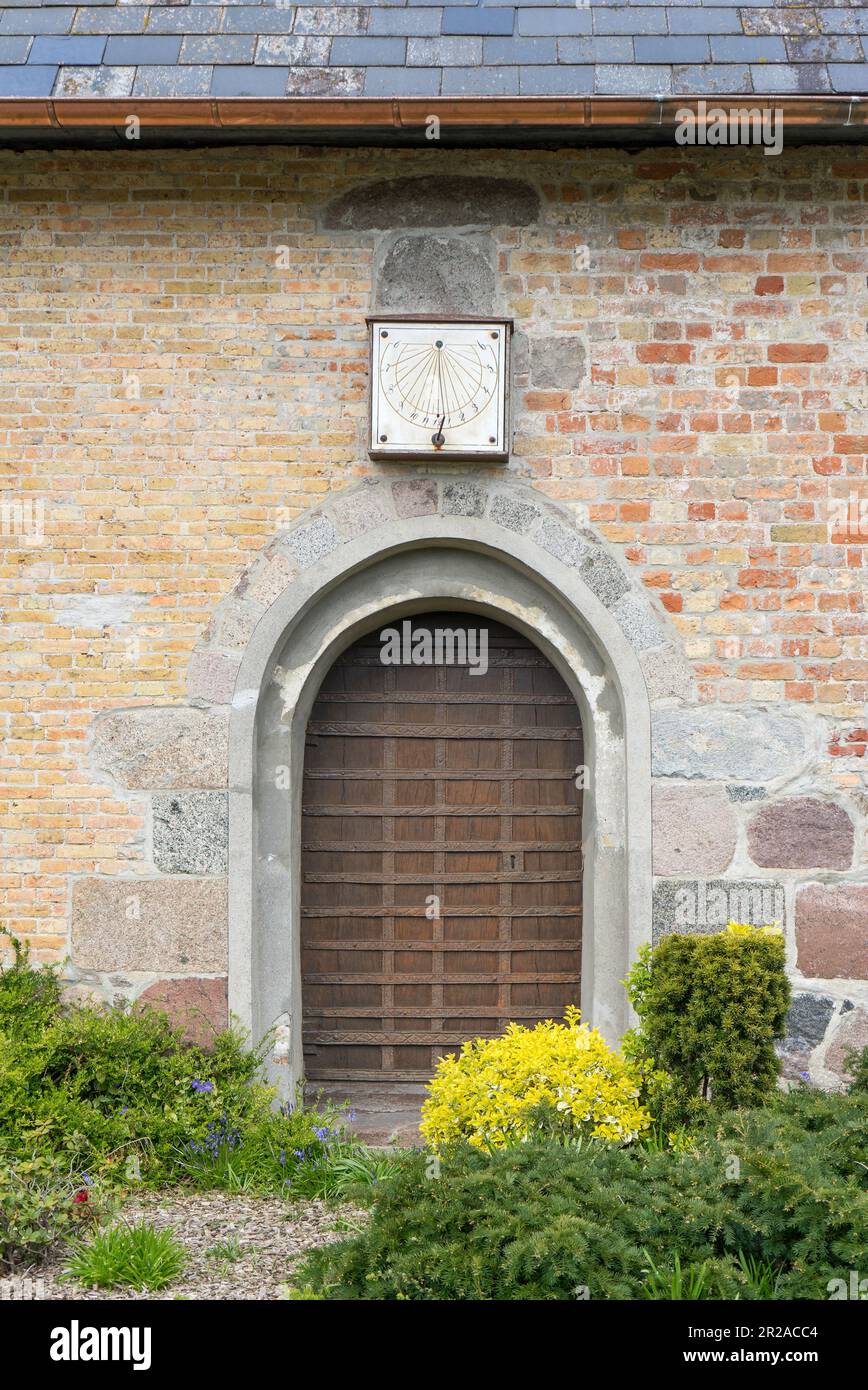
438 389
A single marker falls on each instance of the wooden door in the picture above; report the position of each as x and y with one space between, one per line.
441 855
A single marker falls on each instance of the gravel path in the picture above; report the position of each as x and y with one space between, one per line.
270 1233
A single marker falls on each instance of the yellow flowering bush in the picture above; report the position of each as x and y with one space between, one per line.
488 1093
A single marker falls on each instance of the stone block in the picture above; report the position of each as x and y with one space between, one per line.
415 497
850 1035
196 1005
211 676
463 499
362 510
563 543
513 513
604 577
270 579
801 833
557 363
234 623
667 674
191 832
438 274
832 931
638 623
153 924
312 542
694 829
461 201
169 747
807 1020
723 745
82 996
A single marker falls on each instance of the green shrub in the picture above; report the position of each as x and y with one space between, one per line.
137 1257
29 998
121 1095
36 1208
769 1203
710 1009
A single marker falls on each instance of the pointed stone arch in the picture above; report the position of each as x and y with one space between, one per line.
381 551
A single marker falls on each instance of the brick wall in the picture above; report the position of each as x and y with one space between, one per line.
183 371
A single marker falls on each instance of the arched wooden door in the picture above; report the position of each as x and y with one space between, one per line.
441 854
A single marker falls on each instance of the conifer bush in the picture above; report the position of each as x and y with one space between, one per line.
710 1009
767 1203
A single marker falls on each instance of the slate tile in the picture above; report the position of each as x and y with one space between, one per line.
711 79
26 80
563 80
31 21
293 50
640 79
425 22
134 50
218 48
249 81
849 77
729 49
519 51
51 48
94 82
624 20
369 52
164 81
557 22
684 48
478 21
497 81
123 19
402 82
447 53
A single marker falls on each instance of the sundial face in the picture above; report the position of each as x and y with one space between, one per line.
438 389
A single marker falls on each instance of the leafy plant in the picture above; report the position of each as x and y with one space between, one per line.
344 1171
29 997
710 1008
226 1251
690 1283
491 1093
136 1256
37 1207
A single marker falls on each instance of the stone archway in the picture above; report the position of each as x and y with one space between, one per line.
381 552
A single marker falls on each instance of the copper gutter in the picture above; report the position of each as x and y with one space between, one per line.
573 115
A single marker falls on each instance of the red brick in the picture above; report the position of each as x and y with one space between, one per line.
798 352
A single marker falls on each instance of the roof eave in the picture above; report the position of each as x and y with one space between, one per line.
639 117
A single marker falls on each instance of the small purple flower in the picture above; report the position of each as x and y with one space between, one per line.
322 1134
202 1087
87 1179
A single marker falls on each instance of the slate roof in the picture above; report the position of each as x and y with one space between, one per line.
408 48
